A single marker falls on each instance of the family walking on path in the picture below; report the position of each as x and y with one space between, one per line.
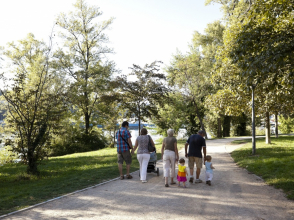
169 155
124 145
235 194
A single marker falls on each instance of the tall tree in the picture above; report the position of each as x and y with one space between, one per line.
186 75
261 46
110 112
175 114
142 95
83 58
233 9
208 43
34 99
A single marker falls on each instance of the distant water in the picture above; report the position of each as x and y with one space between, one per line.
134 132
156 137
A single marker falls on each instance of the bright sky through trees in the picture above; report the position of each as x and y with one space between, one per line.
143 31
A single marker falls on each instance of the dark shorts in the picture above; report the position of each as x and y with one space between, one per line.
125 156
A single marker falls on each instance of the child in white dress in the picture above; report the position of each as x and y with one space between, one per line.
209 169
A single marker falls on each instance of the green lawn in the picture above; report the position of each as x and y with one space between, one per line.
59 176
273 162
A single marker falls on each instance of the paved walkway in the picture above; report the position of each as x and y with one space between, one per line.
234 194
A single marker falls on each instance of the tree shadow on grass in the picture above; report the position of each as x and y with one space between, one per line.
274 164
157 202
58 176
54 182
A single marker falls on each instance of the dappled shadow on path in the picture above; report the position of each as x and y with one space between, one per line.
234 194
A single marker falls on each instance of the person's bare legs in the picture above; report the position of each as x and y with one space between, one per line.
191 172
120 168
128 169
191 175
172 168
172 180
198 173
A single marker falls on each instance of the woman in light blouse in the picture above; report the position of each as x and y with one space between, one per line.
169 154
143 154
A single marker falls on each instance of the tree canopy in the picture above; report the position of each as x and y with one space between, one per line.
82 57
142 95
35 99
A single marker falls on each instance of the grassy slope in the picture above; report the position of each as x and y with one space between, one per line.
59 175
273 162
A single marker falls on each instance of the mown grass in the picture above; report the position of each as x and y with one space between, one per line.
58 176
273 162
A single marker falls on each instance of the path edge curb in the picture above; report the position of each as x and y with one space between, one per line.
60 197
63 196
230 154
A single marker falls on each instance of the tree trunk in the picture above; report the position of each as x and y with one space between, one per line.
139 118
86 110
32 166
267 128
87 121
276 125
253 123
139 127
200 119
227 126
114 136
241 127
219 128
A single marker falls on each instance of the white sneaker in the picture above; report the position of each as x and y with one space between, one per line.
144 181
198 181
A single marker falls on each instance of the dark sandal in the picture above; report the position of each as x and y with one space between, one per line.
129 177
122 177
172 183
166 185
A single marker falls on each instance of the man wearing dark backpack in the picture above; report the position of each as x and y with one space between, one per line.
124 145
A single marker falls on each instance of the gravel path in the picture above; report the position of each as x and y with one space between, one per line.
234 194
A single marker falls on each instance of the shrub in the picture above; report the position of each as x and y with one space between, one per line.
74 140
7 155
286 124
260 131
